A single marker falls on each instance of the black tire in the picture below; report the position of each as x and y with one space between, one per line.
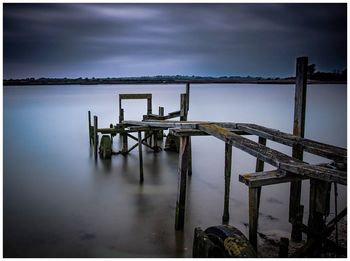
229 242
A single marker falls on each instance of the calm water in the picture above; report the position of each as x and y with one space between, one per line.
59 203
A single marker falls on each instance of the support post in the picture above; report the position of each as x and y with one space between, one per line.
228 165
182 179
95 136
295 217
140 156
149 105
160 133
183 114
283 247
124 143
90 130
319 209
187 97
253 217
254 202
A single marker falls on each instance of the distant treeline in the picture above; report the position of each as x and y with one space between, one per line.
315 77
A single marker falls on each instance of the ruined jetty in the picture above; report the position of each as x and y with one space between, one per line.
149 132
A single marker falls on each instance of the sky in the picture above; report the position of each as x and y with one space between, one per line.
117 40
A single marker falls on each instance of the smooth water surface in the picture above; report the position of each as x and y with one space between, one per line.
59 202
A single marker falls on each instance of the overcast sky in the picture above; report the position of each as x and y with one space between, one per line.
111 40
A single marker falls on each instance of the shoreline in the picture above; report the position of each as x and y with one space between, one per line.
145 82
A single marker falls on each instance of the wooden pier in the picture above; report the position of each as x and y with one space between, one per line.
291 169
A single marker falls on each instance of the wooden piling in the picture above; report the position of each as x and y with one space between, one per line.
295 217
283 247
121 115
254 206
187 96
95 136
183 101
124 143
90 133
140 155
160 133
253 216
228 165
182 179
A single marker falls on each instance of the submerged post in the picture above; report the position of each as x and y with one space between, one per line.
254 203
228 165
95 136
182 179
140 156
295 217
90 132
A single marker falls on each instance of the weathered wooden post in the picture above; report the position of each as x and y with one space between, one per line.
140 156
295 209
95 136
183 117
160 133
124 143
182 179
254 196
228 165
283 247
253 199
90 128
188 96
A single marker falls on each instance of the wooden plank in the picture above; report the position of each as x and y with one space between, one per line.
265 178
140 156
178 124
196 132
274 157
130 96
314 147
182 180
228 166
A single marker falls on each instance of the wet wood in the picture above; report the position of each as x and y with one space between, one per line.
314 147
228 167
90 128
95 136
196 132
178 124
253 216
135 96
182 180
274 157
283 247
188 96
295 217
183 110
140 155
265 178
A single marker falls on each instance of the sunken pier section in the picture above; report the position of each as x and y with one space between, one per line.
149 132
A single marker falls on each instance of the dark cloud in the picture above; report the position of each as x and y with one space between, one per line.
73 40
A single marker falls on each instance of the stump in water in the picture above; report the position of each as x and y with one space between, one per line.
105 149
172 143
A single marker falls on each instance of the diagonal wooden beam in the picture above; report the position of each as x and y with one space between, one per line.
274 157
314 147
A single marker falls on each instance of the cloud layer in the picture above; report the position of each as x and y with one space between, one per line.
106 40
